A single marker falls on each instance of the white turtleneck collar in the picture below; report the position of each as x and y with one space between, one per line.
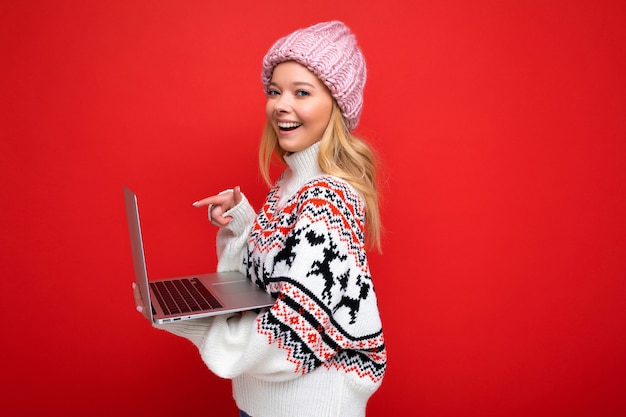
302 167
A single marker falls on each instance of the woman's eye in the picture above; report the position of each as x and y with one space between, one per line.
302 93
272 92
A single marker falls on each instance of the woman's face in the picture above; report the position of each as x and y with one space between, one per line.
298 106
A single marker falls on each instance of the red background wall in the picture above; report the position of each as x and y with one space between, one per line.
502 131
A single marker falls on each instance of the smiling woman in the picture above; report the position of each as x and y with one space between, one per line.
319 351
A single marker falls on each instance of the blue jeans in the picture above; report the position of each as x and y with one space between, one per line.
243 414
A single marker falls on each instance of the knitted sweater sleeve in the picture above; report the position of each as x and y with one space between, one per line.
231 239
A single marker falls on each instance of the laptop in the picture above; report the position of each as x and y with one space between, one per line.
192 296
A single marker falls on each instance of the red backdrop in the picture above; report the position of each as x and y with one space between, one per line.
502 132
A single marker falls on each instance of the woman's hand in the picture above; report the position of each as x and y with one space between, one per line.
138 302
220 204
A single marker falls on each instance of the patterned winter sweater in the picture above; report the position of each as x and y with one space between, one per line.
319 350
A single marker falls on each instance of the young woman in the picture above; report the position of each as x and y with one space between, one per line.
319 350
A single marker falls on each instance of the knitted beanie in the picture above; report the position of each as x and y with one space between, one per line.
330 51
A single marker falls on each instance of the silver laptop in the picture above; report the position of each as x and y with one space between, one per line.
193 296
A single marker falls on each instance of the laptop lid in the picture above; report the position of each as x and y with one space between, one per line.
136 246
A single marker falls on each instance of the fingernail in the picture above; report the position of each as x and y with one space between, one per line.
140 309
195 203
134 285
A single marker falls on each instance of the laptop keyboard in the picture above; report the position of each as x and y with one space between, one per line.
183 296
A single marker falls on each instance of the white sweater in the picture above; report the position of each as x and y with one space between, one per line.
319 351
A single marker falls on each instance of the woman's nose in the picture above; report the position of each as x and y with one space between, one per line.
283 104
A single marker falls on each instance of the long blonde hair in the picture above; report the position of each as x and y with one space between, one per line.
342 155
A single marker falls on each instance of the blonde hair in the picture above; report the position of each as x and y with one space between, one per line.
341 155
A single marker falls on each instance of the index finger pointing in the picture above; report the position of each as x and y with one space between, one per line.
208 201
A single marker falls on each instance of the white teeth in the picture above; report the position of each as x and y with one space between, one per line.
288 125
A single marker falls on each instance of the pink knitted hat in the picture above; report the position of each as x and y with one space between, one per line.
330 51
